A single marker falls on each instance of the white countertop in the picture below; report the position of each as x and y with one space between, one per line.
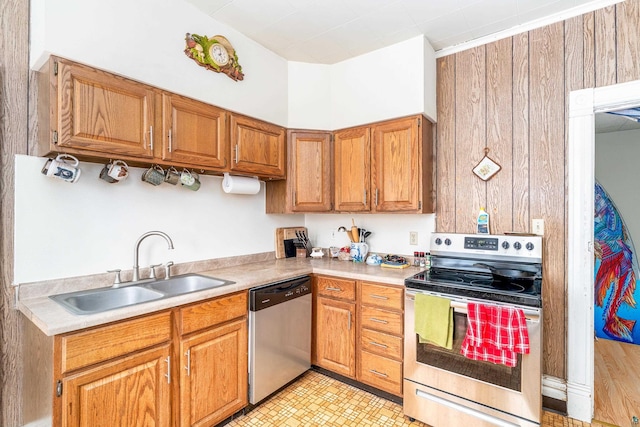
52 319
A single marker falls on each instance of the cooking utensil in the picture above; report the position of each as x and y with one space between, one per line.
509 274
355 236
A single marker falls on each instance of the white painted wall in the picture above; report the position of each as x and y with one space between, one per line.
390 232
617 155
394 81
66 230
379 85
309 96
144 40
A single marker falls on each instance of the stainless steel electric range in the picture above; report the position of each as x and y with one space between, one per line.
444 388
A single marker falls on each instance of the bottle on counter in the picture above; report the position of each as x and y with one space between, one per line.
483 222
427 261
422 260
416 259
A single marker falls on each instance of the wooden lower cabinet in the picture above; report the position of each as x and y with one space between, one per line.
380 332
213 380
367 347
336 336
133 391
186 366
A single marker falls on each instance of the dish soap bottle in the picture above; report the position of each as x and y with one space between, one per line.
483 222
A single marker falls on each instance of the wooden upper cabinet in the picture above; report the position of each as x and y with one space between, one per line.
194 133
95 111
397 166
310 171
257 147
352 170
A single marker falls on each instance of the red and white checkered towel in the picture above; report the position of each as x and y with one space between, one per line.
495 334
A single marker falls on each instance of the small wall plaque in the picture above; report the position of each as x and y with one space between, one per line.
487 167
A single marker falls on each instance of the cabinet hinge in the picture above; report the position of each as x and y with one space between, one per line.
55 68
420 204
419 121
54 136
59 388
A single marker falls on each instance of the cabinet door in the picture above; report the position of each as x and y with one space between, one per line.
335 336
310 171
396 166
98 112
352 170
257 147
194 133
213 378
133 391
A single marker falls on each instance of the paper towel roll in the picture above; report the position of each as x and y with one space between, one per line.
240 184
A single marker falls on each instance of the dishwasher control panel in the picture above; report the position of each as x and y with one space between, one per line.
276 293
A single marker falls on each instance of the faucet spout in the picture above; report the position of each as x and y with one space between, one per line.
136 267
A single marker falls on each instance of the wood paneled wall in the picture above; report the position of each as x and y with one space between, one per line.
511 97
14 75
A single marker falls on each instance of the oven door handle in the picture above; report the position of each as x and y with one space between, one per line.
459 304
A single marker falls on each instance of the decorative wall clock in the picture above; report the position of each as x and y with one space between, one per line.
214 53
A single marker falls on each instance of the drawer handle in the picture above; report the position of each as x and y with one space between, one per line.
379 297
377 344
331 288
373 319
380 374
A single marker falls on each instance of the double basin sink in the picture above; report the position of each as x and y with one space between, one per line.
95 301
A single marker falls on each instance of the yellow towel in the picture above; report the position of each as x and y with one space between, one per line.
434 320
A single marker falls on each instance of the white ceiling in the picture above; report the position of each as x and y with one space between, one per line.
606 123
330 31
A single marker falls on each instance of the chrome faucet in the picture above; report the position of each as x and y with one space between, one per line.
136 268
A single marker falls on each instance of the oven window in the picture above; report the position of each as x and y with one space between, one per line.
453 361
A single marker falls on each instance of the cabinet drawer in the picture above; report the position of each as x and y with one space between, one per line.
380 372
381 343
212 312
382 296
337 288
80 349
381 320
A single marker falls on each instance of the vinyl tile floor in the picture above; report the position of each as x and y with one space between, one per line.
318 400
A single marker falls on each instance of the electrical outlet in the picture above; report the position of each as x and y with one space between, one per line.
413 237
537 226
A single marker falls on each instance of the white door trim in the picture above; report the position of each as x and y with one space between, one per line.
583 104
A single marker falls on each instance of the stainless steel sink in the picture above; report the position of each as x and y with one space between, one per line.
104 299
179 285
99 300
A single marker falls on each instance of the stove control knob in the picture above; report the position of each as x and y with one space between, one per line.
447 242
529 246
505 245
517 246
438 241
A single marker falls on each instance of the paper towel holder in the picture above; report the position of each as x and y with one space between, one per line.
240 184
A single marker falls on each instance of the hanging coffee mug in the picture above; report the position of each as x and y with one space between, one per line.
172 176
118 170
154 175
114 171
66 170
190 180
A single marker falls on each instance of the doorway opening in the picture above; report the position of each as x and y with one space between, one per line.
584 104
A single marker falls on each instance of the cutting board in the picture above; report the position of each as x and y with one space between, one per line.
282 234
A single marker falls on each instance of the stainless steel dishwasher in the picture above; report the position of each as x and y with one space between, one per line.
279 335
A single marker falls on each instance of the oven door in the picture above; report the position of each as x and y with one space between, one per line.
437 377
